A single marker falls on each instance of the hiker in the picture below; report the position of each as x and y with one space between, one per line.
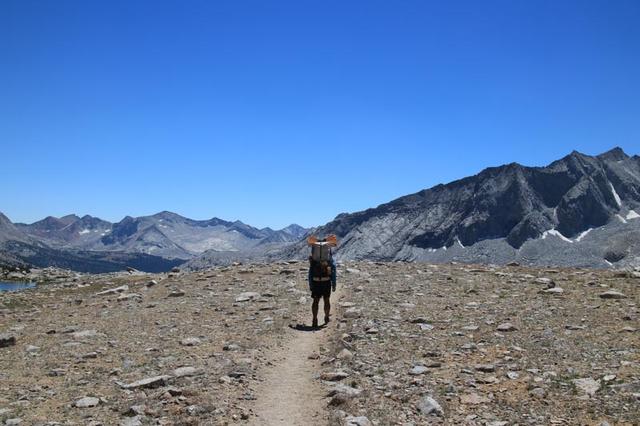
322 274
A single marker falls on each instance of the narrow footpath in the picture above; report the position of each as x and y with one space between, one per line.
289 393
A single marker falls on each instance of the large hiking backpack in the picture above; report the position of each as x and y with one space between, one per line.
321 269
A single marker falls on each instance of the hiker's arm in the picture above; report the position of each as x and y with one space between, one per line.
310 278
333 274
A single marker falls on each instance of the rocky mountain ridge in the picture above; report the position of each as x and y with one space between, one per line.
578 211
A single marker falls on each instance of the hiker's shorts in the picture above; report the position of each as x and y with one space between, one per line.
321 289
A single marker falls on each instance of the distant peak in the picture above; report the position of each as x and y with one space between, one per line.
165 213
615 154
294 226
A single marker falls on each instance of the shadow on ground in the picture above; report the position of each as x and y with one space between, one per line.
304 327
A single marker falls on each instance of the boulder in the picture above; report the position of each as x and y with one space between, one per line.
587 386
429 406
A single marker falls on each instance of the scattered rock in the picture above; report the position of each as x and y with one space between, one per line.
78 335
128 296
486 368
246 296
507 326
418 369
176 293
150 382
7 340
539 393
357 421
547 282
132 421
87 402
352 313
344 390
345 354
612 294
186 372
190 341
473 399
425 317
587 386
231 347
553 290
334 376
116 290
32 349
429 406
512 375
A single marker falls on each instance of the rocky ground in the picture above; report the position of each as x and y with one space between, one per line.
409 344
44 275
453 344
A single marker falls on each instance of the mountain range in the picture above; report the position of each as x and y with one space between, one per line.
580 210
151 243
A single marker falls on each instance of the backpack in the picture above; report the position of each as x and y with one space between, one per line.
321 269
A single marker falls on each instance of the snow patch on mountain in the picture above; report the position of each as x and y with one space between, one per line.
583 234
556 233
615 195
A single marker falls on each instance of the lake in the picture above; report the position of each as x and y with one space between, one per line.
14 286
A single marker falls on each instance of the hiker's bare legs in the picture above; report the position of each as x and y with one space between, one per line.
327 307
314 310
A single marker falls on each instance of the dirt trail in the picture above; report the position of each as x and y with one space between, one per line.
289 394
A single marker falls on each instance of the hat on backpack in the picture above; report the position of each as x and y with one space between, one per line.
331 240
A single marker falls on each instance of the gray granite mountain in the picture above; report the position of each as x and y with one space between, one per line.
152 243
69 231
19 249
534 215
173 236
10 232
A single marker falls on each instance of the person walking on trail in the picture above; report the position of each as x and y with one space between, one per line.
322 274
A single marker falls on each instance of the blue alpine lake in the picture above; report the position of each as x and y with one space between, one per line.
14 286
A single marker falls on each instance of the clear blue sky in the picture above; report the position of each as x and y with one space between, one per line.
274 112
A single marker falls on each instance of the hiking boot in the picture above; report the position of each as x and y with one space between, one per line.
326 319
315 323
